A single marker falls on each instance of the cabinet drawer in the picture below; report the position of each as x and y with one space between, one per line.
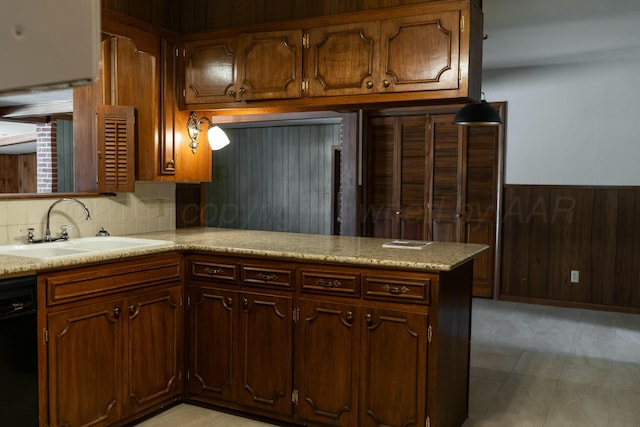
327 282
398 289
272 276
85 282
214 271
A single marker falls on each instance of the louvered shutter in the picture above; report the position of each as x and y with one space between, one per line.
116 134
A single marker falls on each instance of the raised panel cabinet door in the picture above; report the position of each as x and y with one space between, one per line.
136 76
393 375
266 345
327 360
342 59
85 365
210 71
420 52
446 179
214 332
270 65
154 348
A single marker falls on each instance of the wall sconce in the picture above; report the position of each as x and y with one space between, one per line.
481 114
217 138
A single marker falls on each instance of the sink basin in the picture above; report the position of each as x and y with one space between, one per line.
111 243
79 246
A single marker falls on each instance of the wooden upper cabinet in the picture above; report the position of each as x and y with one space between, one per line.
420 52
342 59
270 65
412 53
210 71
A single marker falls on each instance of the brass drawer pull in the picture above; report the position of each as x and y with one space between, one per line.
396 290
329 283
265 277
211 271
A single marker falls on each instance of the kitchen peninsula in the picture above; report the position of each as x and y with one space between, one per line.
308 329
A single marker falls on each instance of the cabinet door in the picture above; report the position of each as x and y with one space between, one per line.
342 59
210 71
85 369
420 52
327 360
393 368
136 82
214 332
398 176
154 332
265 356
270 65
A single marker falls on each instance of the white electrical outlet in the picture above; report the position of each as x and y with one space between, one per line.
575 276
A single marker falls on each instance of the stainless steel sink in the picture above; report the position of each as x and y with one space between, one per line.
79 246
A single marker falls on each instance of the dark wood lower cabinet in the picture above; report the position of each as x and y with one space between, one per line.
343 346
394 368
328 362
110 355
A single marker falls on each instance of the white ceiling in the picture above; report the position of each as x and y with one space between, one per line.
521 33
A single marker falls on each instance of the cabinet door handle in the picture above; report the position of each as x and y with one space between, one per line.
245 302
397 212
116 312
132 310
368 318
349 316
242 91
369 84
229 301
386 83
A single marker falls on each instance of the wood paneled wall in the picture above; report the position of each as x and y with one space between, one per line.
274 178
550 230
18 173
190 16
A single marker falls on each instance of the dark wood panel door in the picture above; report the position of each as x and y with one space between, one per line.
393 368
480 200
210 71
327 360
421 52
265 352
214 332
270 65
85 365
446 179
342 59
398 161
154 348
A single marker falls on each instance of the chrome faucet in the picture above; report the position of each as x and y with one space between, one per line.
47 233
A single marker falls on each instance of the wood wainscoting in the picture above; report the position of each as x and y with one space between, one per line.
548 231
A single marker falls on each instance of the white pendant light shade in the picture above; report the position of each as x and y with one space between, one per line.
217 138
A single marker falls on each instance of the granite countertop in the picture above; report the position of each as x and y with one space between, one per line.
437 256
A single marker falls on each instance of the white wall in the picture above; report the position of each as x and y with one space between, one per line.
150 208
575 124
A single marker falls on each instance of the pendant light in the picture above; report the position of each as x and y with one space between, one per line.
477 114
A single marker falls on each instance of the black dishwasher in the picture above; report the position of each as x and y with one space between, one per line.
18 353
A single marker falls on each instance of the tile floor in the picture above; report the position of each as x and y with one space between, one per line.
531 366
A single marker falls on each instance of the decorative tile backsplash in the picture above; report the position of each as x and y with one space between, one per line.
150 208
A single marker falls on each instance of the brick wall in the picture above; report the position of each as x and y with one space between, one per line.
47 157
